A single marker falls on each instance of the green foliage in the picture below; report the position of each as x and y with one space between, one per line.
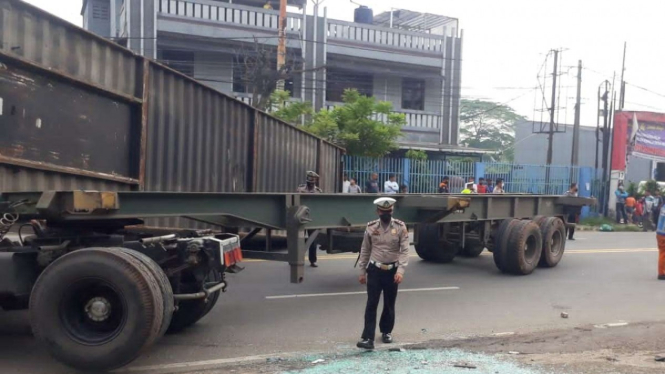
357 125
415 154
633 190
651 186
289 111
489 125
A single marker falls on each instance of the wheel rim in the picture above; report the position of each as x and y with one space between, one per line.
555 243
530 250
92 311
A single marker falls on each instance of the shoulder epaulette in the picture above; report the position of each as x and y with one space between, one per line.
370 223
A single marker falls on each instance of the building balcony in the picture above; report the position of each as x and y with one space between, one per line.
233 21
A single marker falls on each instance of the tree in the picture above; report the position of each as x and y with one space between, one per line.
416 155
363 125
293 112
489 125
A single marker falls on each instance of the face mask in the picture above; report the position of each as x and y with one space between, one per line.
386 217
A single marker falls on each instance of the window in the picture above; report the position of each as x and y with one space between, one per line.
340 80
413 94
100 10
179 60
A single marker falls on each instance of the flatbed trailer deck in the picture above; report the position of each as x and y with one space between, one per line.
101 287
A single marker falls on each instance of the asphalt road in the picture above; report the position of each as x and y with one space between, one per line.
603 278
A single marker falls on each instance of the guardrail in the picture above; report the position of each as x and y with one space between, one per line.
230 13
342 30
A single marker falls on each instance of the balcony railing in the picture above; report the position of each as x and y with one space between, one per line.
267 19
358 32
230 13
425 120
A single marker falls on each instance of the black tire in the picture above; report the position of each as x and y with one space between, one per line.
188 312
472 248
501 242
525 246
164 286
554 242
96 309
538 220
430 246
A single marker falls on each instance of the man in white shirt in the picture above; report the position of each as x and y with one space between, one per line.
391 186
345 184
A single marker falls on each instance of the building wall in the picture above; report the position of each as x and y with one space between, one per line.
388 88
214 70
97 17
532 149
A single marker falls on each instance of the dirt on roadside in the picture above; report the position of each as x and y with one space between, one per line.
629 349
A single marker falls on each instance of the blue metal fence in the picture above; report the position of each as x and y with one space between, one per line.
424 176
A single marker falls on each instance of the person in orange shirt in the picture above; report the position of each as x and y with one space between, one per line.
630 208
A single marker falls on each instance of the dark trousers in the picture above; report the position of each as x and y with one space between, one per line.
621 212
380 281
312 248
572 220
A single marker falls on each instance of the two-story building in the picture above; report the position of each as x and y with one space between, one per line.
410 59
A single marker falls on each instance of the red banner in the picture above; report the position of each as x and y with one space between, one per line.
641 134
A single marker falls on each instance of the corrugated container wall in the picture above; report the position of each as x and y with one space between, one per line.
163 131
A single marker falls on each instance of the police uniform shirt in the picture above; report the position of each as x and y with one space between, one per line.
303 189
385 245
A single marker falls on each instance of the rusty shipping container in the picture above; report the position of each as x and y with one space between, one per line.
78 111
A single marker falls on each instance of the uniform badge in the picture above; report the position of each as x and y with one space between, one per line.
394 231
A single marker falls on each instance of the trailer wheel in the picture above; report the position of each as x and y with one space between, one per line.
554 242
96 309
538 220
473 248
501 242
430 246
525 246
188 312
164 286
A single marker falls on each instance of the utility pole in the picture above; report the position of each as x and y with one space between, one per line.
574 160
622 94
552 124
281 48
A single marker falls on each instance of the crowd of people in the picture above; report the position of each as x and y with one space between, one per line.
390 186
642 211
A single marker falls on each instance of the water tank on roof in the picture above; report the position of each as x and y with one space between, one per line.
364 15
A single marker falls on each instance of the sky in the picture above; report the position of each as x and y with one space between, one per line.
506 43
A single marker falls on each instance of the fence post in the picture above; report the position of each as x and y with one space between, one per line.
406 172
584 186
479 171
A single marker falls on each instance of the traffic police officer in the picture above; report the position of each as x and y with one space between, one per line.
311 187
384 256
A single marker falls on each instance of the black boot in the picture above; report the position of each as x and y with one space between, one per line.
387 338
366 344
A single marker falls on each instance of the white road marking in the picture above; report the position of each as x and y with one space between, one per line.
503 333
356 293
615 324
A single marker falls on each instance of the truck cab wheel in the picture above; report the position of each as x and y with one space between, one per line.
96 309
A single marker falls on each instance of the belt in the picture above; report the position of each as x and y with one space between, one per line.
384 266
